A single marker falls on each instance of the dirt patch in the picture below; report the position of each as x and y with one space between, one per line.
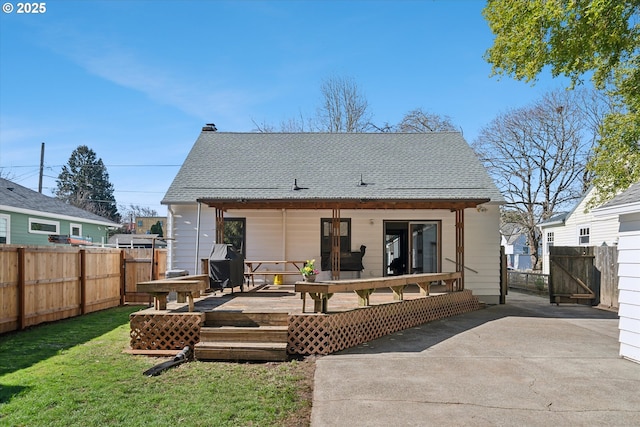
306 369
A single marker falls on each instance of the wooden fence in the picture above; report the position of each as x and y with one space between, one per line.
595 267
47 283
586 274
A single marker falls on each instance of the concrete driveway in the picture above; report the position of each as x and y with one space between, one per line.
525 363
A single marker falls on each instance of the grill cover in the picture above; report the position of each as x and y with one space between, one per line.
226 267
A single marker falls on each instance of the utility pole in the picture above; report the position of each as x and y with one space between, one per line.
41 168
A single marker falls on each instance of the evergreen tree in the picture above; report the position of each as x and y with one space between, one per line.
157 229
84 183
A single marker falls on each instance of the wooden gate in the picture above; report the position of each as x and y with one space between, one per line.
141 265
572 277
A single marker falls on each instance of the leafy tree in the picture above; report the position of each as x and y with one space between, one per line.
84 182
537 157
600 38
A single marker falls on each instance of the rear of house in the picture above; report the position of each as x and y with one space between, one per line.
423 200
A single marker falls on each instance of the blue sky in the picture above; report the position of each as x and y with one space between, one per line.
136 80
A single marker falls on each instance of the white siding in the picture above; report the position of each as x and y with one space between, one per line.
295 235
603 230
629 286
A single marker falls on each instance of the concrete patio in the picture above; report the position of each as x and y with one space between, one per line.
526 363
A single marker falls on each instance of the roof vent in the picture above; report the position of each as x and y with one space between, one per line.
295 186
209 127
362 183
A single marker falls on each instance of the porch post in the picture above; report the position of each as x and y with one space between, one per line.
196 263
335 244
460 247
219 225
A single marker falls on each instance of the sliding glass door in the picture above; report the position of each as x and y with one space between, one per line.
424 247
412 247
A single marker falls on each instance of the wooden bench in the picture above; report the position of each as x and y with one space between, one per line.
185 286
320 292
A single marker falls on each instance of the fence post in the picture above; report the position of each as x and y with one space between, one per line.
123 281
83 281
22 299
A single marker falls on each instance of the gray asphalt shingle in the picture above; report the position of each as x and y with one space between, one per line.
17 196
425 166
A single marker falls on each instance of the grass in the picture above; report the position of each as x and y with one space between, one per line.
74 373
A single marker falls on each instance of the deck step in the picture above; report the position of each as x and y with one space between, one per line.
237 335
234 351
244 334
240 318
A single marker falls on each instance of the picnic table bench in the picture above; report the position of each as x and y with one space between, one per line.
320 292
185 286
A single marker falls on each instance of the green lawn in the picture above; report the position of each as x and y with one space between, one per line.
74 373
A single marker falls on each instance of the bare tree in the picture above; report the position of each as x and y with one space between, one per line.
298 124
418 120
344 108
7 174
537 156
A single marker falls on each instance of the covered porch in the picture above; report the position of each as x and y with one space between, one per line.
454 238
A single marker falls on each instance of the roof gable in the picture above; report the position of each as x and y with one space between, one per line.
330 166
13 195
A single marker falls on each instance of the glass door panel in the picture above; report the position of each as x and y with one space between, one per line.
424 247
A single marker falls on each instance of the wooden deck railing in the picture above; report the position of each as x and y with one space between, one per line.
321 292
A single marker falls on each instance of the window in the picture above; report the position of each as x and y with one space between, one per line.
550 239
5 229
76 229
583 235
43 226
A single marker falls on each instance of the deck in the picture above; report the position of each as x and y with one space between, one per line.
344 325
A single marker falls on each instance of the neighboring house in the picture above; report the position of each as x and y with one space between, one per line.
626 209
29 218
578 227
144 223
424 198
516 246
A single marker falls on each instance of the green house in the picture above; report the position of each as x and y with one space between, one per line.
30 218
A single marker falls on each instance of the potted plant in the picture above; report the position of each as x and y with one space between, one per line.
309 271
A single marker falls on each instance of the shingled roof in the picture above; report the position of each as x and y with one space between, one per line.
331 166
16 197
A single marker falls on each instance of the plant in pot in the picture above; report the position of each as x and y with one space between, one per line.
309 271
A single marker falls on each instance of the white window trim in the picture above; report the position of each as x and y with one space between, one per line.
547 241
8 218
582 227
43 221
74 225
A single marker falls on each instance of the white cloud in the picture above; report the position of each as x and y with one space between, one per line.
166 84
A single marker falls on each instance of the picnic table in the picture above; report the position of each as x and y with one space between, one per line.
254 268
321 292
189 286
